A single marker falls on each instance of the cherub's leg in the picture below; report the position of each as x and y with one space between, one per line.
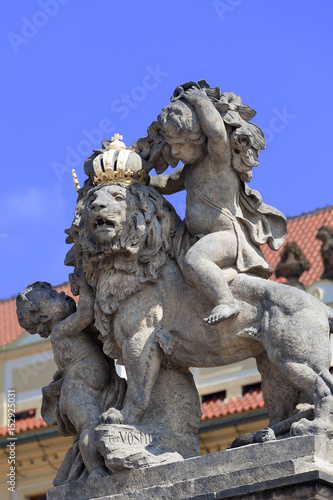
92 459
83 410
202 268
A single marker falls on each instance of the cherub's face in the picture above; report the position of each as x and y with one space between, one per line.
183 148
54 306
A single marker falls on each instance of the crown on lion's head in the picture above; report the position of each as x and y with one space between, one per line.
112 164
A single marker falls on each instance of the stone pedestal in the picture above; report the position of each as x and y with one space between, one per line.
297 468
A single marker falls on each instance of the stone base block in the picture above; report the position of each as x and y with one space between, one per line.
298 468
133 447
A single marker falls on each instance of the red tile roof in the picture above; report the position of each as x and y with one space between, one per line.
9 328
303 230
216 407
26 424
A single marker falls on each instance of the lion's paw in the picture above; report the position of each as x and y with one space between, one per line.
111 416
265 434
305 427
319 426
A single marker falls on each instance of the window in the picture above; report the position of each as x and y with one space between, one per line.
216 396
251 388
25 414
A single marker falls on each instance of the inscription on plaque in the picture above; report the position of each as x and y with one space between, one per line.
131 438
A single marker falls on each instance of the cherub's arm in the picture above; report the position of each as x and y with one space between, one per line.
168 184
83 316
211 123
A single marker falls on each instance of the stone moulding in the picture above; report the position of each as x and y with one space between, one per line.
297 468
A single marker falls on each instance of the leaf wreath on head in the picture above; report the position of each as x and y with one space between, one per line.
246 139
155 150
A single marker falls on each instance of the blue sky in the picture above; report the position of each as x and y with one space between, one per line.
75 72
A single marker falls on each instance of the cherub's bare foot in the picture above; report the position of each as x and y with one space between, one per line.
98 472
222 312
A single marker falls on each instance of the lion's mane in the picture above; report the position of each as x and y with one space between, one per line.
137 254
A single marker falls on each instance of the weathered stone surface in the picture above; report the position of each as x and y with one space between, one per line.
270 470
174 410
132 447
86 381
160 295
176 335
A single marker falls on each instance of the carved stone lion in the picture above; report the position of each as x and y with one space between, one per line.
148 316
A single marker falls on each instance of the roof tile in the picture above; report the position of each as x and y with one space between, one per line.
218 407
26 424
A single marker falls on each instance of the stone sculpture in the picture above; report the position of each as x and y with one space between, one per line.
325 234
86 382
152 280
217 213
292 265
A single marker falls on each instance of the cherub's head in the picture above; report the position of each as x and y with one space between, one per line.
39 307
181 129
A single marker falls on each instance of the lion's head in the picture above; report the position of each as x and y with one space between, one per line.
107 213
123 236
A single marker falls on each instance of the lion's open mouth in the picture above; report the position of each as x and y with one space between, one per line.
99 222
